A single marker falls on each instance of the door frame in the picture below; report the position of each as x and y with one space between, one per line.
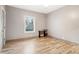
3 16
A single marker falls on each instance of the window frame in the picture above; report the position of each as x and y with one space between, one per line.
25 24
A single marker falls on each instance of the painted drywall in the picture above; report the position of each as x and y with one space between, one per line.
15 23
64 23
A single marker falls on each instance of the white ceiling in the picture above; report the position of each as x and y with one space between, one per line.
39 8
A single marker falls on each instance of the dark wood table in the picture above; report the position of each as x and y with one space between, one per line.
43 33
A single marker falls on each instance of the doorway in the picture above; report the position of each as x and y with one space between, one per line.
2 26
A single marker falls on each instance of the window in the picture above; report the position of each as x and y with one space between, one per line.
29 24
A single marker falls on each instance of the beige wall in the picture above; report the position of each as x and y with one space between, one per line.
64 23
15 23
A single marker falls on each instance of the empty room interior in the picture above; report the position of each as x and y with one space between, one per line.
39 29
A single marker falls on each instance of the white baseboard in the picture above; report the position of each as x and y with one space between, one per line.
17 38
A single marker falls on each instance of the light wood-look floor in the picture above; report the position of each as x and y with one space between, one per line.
40 46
